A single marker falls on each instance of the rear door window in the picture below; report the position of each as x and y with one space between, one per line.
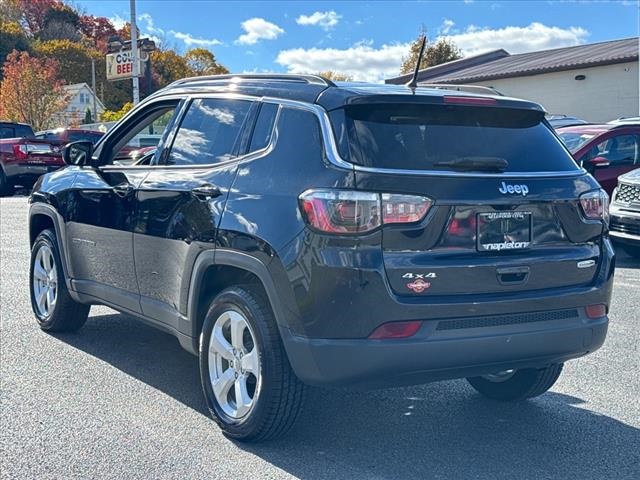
264 127
210 132
448 137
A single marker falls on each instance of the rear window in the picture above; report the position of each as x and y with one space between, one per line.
15 131
448 137
88 136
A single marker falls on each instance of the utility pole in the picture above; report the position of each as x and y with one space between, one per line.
134 54
93 89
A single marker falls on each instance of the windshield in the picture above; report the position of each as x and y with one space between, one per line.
575 140
448 137
92 137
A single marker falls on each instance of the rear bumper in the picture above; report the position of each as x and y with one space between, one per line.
28 173
435 354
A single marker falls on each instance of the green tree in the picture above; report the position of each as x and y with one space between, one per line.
442 51
88 118
203 62
337 76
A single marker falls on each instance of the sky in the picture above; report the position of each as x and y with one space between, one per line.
365 39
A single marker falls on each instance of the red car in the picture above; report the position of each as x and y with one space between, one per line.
606 151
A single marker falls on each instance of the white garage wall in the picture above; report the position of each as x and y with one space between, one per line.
606 93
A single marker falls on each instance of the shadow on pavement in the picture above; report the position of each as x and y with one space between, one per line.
624 260
440 430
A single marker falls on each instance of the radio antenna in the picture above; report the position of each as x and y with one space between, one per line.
414 80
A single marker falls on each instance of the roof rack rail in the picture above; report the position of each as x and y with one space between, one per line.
463 88
279 77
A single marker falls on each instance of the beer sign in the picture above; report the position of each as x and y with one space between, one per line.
120 66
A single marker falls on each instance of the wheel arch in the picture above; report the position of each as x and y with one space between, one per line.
41 217
215 270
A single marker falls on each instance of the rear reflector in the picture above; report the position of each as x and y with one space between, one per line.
470 100
596 311
396 330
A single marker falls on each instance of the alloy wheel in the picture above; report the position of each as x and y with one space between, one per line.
234 364
45 281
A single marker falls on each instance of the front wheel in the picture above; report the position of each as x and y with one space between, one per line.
250 388
514 385
52 305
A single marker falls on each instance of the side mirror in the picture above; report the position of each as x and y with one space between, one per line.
77 153
599 162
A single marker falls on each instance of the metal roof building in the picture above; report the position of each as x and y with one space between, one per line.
597 82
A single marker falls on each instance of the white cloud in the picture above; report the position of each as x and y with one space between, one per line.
363 61
325 20
118 22
258 29
147 24
191 41
536 36
447 26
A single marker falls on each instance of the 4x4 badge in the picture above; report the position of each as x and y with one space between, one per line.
418 285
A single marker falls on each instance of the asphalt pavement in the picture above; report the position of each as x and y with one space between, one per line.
119 399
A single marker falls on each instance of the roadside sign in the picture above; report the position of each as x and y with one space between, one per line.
120 66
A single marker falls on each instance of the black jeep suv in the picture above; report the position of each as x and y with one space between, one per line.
293 231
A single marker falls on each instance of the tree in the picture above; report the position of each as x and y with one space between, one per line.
443 51
31 91
168 67
98 30
88 118
60 22
203 62
34 12
112 116
337 76
12 38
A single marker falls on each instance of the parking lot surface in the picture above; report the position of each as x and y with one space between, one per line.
119 399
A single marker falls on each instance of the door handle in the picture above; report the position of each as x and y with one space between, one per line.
206 191
123 190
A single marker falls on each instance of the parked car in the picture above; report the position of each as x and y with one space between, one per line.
625 213
606 151
24 158
625 120
557 121
62 136
354 235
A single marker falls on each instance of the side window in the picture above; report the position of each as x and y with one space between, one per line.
620 150
210 132
143 136
264 126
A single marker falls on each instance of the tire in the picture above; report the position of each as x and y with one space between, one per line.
6 188
518 384
56 311
275 394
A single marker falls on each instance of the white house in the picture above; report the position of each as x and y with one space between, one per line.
81 99
597 82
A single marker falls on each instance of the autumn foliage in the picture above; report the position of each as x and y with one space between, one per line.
31 91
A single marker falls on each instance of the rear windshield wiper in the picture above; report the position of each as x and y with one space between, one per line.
490 164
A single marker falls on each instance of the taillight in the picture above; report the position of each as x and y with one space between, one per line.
348 212
596 311
22 151
595 205
404 208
